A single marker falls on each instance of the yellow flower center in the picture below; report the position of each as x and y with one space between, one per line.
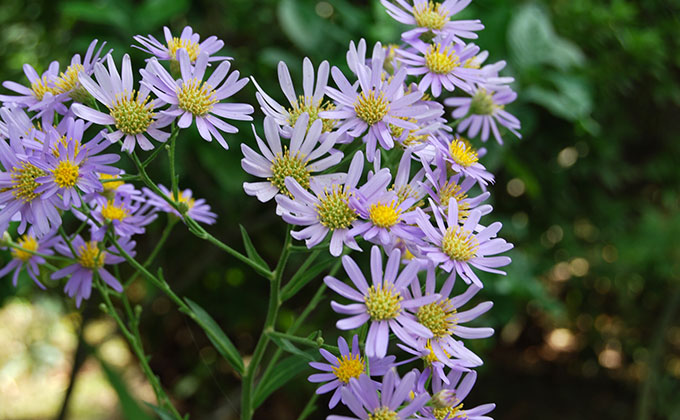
349 367
196 96
110 186
188 201
384 215
371 108
24 181
333 209
132 114
27 242
470 63
305 104
438 317
430 16
66 174
449 413
40 87
463 153
441 60
294 165
63 141
111 212
459 244
383 413
452 191
192 48
90 256
383 303
482 103
68 80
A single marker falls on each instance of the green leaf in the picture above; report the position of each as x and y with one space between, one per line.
163 414
284 371
286 345
250 249
304 276
154 13
300 24
129 406
219 339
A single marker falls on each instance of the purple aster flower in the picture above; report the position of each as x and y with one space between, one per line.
459 247
311 101
72 167
350 364
483 110
441 63
68 85
41 89
31 262
192 98
383 214
378 105
447 399
443 318
130 111
197 208
384 304
24 128
19 186
462 157
304 155
188 41
430 16
325 209
127 214
390 400
89 258
443 189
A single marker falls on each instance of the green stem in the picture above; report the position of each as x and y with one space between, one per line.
302 340
261 346
30 251
172 221
174 179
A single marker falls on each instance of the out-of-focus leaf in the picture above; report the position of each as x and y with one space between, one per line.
570 100
163 414
300 24
129 407
287 346
250 248
284 371
98 12
304 275
219 339
154 13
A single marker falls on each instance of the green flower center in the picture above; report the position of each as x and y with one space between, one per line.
449 413
305 104
459 244
132 114
24 181
383 303
438 317
333 209
371 108
482 103
196 96
286 165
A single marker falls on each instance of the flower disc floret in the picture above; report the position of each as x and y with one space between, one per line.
111 211
384 215
132 114
307 105
191 47
293 165
442 413
371 108
449 191
197 97
437 317
24 181
430 15
90 256
441 60
110 186
383 303
463 153
482 103
41 87
66 174
459 244
29 243
334 210
383 413
68 80
349 366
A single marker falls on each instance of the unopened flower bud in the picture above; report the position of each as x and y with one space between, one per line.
444 398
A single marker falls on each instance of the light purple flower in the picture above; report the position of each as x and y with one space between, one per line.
127 214
311 101
31 262
378 104
430 16
384 304
132 112
339 370
390 400
447 398
72 167
441 63
188 40
325 209
483 110
197 208
461 247
191 98
89 258
68 85
462 157
40 91
305 155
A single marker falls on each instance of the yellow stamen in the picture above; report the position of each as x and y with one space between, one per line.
24 181
463 153
371 108
333 209
431 16
27 242
193 49
305 104
132 114
66 174
349 367
459 244
196 96
384 215
441 60
438 317
111 211
383 413
383 303
286 164
40 87
90 256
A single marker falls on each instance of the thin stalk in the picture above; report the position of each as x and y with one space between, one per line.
171 157
46 256
172 221
302 340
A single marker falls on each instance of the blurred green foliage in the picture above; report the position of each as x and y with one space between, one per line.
587 318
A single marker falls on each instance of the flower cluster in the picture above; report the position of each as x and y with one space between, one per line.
62 136
372 158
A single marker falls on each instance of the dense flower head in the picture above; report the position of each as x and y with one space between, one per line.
188 41
23 255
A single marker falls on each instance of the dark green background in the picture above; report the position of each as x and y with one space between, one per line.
598 164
